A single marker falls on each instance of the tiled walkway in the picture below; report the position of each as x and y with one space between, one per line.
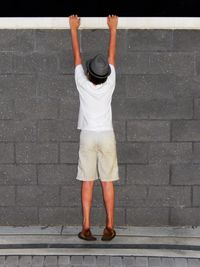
94 261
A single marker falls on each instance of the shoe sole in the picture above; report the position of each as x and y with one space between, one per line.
85 238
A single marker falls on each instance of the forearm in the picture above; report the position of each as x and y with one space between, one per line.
75 46
112 46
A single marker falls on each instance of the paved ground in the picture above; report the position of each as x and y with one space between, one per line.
11 256
94 261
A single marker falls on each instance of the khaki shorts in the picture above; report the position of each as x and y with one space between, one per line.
97 156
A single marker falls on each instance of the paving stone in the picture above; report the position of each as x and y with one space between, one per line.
63 260
25 261
50 261
193 262
76 259
89 260
181 262
168 262
2 261
38 261
12 261
141 261
103 261
154 262
116 261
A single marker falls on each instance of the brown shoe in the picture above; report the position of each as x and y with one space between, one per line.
86 235
108 234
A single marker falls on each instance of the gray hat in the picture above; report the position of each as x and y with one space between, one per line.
98 67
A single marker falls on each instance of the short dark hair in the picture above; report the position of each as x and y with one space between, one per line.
96 80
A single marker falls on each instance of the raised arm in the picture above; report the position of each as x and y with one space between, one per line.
74 22
112 21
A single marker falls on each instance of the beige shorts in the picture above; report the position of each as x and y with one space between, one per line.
97 156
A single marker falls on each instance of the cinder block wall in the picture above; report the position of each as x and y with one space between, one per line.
156 116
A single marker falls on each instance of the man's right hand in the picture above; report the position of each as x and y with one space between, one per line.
112 21
74 22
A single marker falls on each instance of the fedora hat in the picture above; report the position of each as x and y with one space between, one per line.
98 67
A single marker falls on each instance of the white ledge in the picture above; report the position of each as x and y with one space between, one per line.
101 23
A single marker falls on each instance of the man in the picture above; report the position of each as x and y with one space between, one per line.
97 151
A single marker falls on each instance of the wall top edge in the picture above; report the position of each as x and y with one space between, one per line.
101 23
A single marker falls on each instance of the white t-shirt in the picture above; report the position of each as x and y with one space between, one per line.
95 113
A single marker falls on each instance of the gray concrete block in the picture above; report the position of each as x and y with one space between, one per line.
120 130
57 86
7 130
25 131
147 216
18 216
37 261
6 153
141 261
2 261
12 261
7 196
89 260
116 261
52 40
69 152
36 153
17 174
181 262
36 108
152 86
179 63
103 261
65 62
76 259
197 108
197 63
149 40
25 261
154 262
132 152
185 216
7 109
196 153
57 130
60 216
152 174
35 63
70 196
95 40
132 63
50 261
63 260
133 196
170 153
184 40
14 86
169 196
129 261
37 196
57 174
17 40
193 262
144 130
69 108
142 108
121 86
168 262
185 174
183 130
196 196
6 63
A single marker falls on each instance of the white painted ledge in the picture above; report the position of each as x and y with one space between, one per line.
101 23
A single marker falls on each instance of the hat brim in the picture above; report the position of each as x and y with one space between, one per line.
94 74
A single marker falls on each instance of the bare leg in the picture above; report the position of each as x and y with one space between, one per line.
86 192
108 195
